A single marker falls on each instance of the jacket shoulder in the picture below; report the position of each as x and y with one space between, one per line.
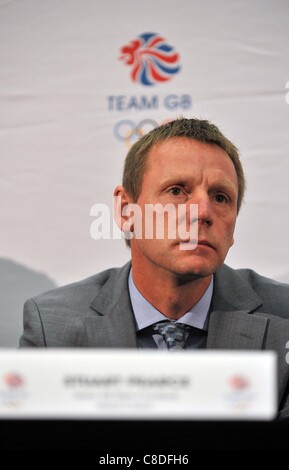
274 294
57 317
260 282
76 295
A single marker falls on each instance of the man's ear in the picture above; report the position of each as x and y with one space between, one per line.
121 203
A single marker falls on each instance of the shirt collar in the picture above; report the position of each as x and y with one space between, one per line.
146 314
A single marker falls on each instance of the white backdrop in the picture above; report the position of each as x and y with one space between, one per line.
64 92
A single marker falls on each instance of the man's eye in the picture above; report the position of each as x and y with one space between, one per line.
175 191
221 198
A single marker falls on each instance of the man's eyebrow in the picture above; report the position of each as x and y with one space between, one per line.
224 186
173 179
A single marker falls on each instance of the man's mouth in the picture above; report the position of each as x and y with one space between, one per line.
192 244
205 243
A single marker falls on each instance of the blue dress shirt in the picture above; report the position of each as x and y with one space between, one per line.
147 315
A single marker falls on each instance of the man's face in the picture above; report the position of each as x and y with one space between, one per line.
185 171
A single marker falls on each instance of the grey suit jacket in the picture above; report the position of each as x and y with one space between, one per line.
247 311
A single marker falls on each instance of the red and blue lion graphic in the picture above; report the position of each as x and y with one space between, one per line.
152 59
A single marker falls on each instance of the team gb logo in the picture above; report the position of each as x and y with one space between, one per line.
151 58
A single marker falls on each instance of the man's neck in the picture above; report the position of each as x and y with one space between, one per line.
172 295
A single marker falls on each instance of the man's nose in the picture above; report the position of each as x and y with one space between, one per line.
205 215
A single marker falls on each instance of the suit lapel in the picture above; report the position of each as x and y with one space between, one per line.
111 324
231 326
232 292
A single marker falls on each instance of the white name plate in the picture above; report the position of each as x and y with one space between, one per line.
126 384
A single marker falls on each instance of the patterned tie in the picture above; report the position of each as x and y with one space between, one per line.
174 334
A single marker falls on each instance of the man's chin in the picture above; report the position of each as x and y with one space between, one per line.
197 270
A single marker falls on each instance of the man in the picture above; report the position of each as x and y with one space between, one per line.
173 294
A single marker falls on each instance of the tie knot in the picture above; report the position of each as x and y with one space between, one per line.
173 334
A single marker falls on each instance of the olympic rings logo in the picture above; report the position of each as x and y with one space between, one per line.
128 131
